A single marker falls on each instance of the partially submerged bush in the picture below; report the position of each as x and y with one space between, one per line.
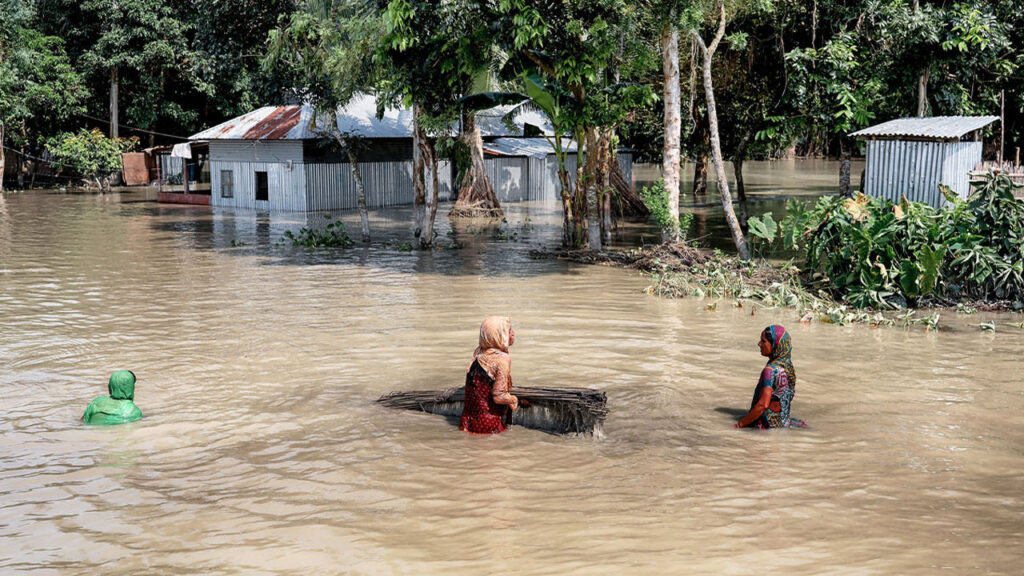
873 253
90 153
333 235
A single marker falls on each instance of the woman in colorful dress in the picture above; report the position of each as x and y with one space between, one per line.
489 400
774 392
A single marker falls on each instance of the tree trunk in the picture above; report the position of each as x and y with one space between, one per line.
922 92
364 218
716 148
113 103
741 188
3 158
592 179
672 122
419 208
606 189
844 177
431 179
700 173
568 238
579 199
21 167
476 197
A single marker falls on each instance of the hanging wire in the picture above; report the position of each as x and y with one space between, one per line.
107 121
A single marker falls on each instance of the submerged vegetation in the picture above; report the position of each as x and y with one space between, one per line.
720 277
863 260
334 235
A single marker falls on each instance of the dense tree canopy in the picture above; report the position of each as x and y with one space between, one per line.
791 75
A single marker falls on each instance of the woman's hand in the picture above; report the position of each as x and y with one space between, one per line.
515 402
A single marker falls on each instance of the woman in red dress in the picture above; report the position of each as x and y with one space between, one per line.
489 400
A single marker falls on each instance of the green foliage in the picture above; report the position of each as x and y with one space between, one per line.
90 152
763 230
229 35
39 89
873 253
655 197
324 52
147 44
773 287
334 235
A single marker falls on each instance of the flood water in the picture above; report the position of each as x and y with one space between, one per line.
769 185
262 451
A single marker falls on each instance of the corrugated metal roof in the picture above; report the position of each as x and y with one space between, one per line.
927 128
490 124
359 118
532 147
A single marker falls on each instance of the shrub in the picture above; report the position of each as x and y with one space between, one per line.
90 152
873 253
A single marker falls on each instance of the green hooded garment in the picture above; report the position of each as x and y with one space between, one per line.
117 408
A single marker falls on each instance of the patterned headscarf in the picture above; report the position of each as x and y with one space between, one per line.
782 350
495 338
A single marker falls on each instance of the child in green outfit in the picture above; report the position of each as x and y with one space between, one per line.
118 408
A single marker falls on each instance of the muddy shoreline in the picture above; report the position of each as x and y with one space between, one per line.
682 270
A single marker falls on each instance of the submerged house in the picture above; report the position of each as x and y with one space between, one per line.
912 156
274 158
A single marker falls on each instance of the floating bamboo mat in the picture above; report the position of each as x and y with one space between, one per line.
571 411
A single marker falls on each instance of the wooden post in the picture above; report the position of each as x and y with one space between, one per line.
184 174
1002 121
113 103
1017 162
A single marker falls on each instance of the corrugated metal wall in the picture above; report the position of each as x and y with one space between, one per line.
915 169
961 157
332 186
510 177
319 187
284 186
274 151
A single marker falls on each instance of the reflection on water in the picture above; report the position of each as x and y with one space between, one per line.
262 451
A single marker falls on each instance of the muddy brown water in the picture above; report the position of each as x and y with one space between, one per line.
262 451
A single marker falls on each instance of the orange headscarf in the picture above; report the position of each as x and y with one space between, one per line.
495 338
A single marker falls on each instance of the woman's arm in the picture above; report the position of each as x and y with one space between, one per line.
757 409
764 399
501 389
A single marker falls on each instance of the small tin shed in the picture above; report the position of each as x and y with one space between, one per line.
912 156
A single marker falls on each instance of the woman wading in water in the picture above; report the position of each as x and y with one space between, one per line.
774 392
489 401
